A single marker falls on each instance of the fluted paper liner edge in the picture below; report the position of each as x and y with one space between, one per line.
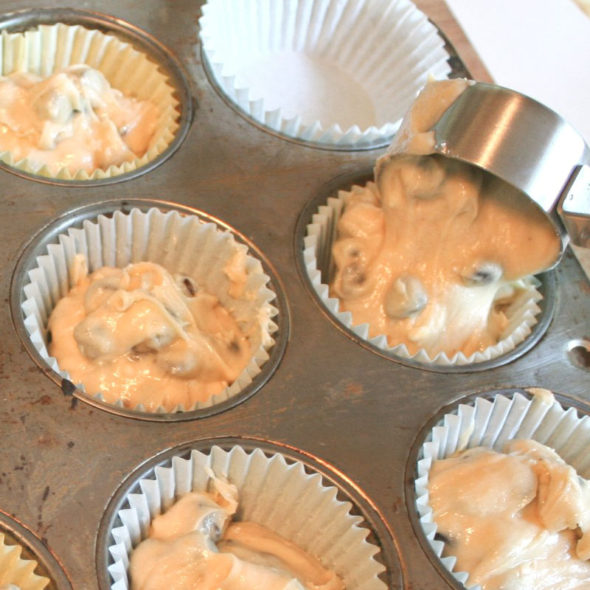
389 51
137 236
272 491
16 570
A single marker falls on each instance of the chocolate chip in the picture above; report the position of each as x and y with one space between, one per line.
67 387
359 278
484 274
189 286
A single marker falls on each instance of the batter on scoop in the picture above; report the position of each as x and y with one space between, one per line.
432 253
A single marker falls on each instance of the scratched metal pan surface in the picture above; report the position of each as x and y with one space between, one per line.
62 460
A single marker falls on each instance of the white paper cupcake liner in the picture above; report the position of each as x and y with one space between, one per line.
491 423
47 49
182 244
317 256
16 570
273 492
331 72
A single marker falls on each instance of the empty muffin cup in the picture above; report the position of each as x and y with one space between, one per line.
98 98
277 488
492 420
212 266
334 74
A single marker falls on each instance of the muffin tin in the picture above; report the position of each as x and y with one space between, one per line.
354 412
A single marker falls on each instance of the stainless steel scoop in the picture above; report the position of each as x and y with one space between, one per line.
528 146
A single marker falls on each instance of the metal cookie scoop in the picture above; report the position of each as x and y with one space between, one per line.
528 146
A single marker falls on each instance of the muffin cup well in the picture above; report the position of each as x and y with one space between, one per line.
529 315
278 487
183 241
328 73
490 420
46 41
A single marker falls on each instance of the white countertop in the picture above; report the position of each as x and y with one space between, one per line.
540 48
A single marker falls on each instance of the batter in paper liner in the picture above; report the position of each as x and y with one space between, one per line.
515 520
139 335
434 251
195 545
72 120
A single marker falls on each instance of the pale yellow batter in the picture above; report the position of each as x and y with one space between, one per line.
72 120
195 545
518 520
432 253
144 337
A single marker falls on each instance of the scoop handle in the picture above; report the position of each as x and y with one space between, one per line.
574 206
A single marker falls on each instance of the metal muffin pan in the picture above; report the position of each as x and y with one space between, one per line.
63 461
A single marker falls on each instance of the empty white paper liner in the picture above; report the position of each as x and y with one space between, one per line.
50 48
333 72
273 492
16 570
317 256
182 244
491 423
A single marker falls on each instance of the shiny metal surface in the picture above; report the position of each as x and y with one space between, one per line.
63 461
525 144
575 206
